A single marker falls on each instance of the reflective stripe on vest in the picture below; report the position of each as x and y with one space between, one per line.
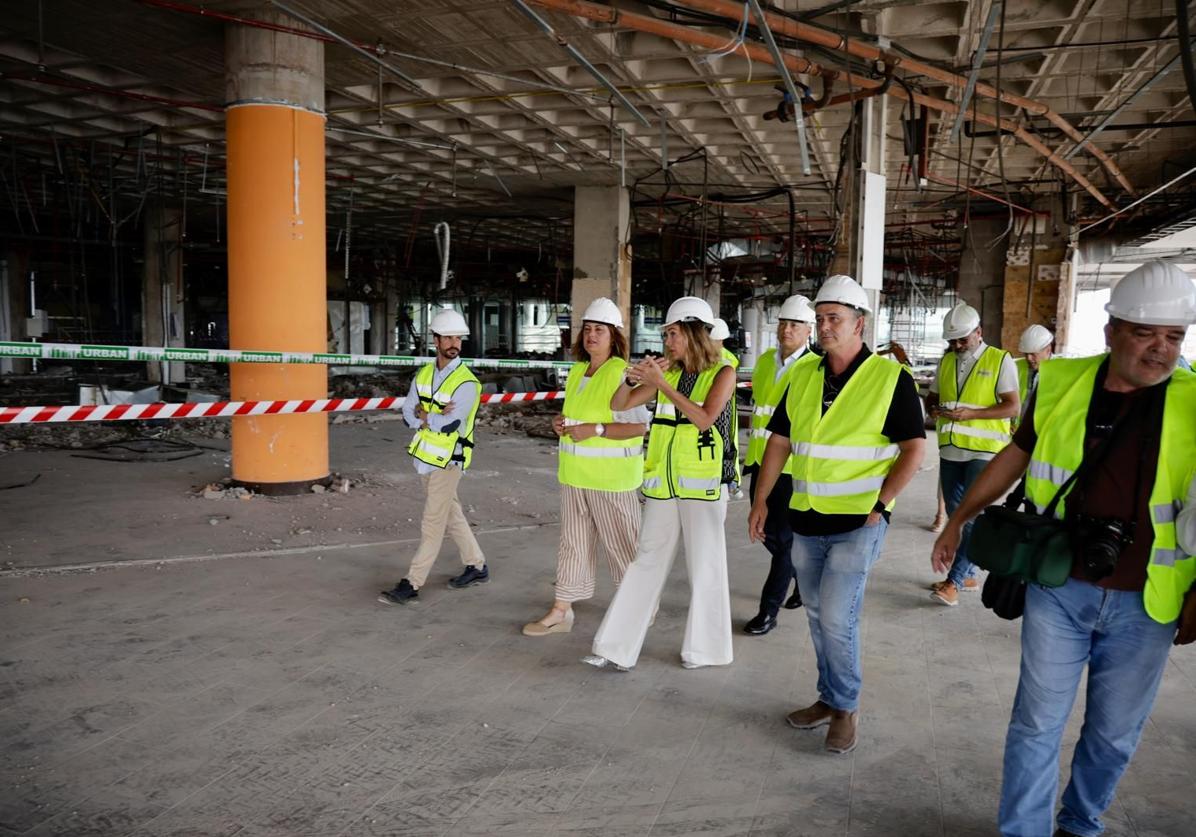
840 459
683 462
619 452
1064 394
597 463
439 449
979 393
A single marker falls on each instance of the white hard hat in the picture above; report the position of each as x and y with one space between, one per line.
602 310
1157 293
845 291
960 321
720 330
449 323
1035 339
689 308
797 307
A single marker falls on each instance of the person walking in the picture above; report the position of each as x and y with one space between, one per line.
973 399
770 380
718 335
686 473
441 406
1121 423
852 433
600 466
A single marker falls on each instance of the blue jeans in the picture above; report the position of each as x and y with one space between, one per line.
1064 629
831 573
956 478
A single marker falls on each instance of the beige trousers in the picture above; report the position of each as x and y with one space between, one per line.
442 512
587 518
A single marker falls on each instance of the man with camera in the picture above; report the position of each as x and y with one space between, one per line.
1123 424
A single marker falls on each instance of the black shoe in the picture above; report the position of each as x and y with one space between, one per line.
470 577
1061 833
793 602
402 593
760 624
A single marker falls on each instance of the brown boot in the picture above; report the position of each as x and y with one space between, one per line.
841 737
815 715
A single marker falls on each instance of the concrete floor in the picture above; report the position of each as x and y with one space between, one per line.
237 677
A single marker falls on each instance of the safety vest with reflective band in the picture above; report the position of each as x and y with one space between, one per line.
1023 390
979 393
766 395
730 358
1061 420
839 459
440 449
598 463
1023 379
683 462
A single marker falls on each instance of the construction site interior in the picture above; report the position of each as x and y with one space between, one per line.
189 641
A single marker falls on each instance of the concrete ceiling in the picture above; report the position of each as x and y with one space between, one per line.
146 79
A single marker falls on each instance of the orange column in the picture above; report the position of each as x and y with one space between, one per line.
276 251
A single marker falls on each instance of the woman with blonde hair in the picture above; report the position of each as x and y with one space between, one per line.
600 466
686 473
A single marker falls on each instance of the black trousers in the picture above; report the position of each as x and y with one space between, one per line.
778 540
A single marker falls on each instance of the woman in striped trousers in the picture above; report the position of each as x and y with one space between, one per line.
600 468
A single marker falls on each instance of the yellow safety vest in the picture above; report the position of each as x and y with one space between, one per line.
683 462
839 460
1023 391
440 449
1061 419
598 463
1023 379
766 396
730 358
979 393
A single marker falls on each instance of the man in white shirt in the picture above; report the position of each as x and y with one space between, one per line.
974 396
770 380
441 406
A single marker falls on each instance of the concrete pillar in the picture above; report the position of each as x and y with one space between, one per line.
861 250
163 321
277 285
982 274
601 251
15 308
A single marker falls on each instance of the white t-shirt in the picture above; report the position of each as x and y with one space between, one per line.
1006 382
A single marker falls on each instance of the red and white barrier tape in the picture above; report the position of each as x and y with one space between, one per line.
229 409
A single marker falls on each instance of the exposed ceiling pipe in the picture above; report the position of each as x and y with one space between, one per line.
655 26
799 121
1125 103
546 27
994 12
821 37
946 181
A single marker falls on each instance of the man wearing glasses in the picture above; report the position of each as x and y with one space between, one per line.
973 398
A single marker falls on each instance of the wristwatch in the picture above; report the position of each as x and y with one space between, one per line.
599 429
879 507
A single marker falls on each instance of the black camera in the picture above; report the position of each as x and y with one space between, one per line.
1098 543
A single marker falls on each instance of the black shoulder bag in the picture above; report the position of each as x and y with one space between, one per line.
1027 546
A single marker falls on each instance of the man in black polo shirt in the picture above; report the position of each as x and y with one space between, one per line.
851 429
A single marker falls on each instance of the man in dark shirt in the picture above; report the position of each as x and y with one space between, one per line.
1122 424
851 429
